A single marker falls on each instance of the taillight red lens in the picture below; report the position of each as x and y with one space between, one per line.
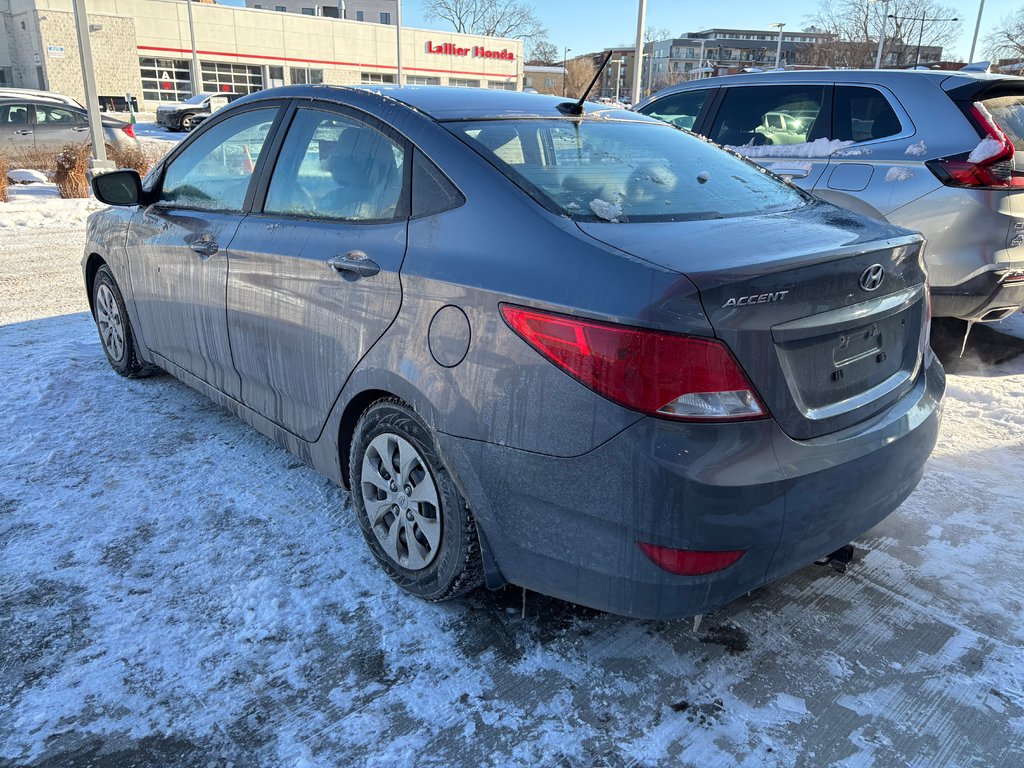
129 130
989 165
690 562
661 374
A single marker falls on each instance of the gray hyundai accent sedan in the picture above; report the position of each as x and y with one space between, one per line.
588 354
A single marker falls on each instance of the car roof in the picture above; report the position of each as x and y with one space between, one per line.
891 77
39 101
447 103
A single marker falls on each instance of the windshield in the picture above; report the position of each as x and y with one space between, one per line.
199 98
621 171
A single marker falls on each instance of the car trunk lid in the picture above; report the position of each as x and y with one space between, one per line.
785 292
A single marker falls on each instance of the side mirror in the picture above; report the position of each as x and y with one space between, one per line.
118 187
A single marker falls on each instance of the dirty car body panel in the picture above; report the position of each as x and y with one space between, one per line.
564 480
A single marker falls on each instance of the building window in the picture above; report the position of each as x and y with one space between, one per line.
280 8
275 76
422 80
528 82
309 12
458 82
165 79
549 82
494 85
258 7
306 76
376 78
385 18
359 15
330 11
221 77
5 76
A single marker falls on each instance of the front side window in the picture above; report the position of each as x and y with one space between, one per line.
863 114
14 114
679 109
750 116
213 172
334 167
624 171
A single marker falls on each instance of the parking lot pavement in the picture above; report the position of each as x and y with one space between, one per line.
177 591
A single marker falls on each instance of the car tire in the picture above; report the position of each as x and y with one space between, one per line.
418 526
187 122
115 328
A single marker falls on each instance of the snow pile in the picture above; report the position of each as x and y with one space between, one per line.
899 173
605 210
817 148
38 206
26 176
916 150
987 148
782 168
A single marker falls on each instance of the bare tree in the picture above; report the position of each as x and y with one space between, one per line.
1007 40
850 30
578 74
543 52
652 35
493 18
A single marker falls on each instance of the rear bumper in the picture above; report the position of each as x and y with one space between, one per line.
568 527
984 297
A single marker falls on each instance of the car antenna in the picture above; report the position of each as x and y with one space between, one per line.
576 107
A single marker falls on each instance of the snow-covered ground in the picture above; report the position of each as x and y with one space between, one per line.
175 590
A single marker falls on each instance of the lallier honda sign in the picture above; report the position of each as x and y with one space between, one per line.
475 52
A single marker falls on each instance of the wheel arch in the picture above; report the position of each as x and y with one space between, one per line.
92 266
347 426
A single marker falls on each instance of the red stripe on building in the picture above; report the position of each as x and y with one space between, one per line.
320 61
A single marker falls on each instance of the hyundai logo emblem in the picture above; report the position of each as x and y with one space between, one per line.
872 277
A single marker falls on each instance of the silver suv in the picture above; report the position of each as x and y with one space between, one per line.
938 152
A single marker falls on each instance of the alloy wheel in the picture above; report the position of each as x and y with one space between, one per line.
108 317
401 500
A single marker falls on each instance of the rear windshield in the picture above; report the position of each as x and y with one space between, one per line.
623 171
1008 112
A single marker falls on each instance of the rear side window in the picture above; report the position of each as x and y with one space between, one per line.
335 167
431 190
770 115
14 114
863 114
624 171
679 109
1008 113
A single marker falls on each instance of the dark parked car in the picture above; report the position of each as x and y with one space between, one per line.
588 354
186 115
46 124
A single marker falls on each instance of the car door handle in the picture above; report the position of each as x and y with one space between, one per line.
23 132
356 263
204 246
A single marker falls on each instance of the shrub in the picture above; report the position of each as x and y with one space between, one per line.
72 163
5 166
41 160
131 157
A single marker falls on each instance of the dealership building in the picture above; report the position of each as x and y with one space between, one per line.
143 48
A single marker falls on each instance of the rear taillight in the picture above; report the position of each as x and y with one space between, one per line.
989 165
690 562
129 130
661 374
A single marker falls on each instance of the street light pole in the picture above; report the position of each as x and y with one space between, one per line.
398 40
977 26
638 59
920 37
196 82
565 74
92 102
778 48
881 36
